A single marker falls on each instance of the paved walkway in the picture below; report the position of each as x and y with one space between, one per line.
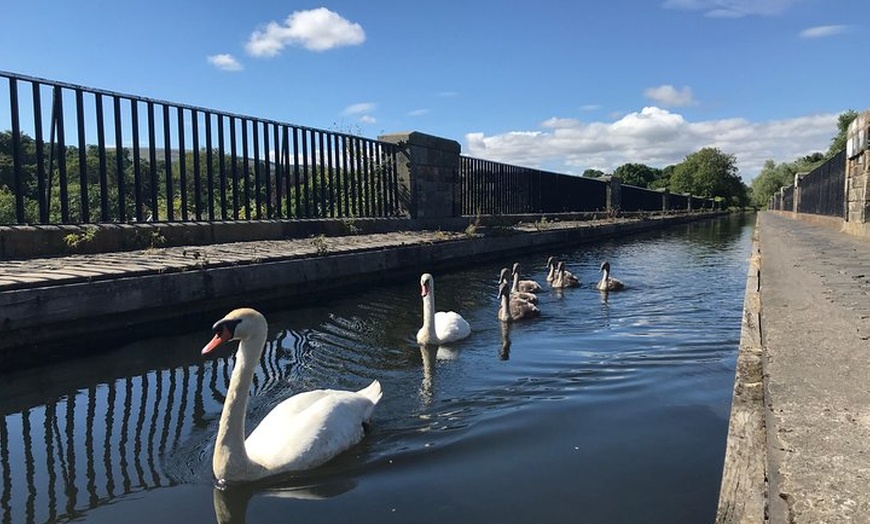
815 301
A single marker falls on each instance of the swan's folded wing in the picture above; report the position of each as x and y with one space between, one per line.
301 434
450 326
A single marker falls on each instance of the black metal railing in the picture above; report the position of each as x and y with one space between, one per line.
822 191
635 198
81 155
488 187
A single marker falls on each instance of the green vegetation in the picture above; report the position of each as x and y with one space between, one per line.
313 192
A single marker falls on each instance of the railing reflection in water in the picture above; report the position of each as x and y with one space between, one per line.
85 448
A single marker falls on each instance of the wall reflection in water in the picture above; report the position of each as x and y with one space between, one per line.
85 447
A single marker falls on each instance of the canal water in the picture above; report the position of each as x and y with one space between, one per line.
607 408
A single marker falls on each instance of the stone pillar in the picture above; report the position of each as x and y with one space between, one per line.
689 199
666 199
428 174
614 195
857 174
796 200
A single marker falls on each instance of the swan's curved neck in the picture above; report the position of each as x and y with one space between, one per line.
429 313
504 312
516 283
230 457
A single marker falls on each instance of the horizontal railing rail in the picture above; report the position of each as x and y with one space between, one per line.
83 155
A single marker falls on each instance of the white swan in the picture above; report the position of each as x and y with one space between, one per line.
504 276
441 327
300 433
512 308
564 278
608 283
526 286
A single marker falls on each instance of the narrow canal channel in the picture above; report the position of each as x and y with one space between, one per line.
605 409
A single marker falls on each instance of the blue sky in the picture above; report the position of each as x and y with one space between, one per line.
559 85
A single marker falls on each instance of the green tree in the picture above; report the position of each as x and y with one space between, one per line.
639 175
838 143
593 173
710 173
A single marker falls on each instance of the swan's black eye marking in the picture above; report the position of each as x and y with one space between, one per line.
230 325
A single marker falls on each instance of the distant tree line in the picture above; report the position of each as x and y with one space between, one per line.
707 173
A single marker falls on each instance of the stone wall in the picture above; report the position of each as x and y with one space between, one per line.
857 174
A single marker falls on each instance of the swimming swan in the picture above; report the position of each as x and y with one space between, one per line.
608 283
526 286
504 277
302 432
512 308
551 269
563 278
441 327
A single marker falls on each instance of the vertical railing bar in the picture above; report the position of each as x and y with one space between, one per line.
258 172
307 177
330 175
336 175
119 160
209 166
167 165
41 176
246 169
137 162
17 166
295 185
234 167
222 166
101 153
182 164
346 178
273 207
366 175
85 216
152 159
360 175
324 183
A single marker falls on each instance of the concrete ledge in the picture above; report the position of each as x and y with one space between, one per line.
743 495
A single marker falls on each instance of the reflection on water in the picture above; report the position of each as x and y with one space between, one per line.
633 385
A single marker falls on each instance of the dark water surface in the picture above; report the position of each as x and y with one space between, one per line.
606 409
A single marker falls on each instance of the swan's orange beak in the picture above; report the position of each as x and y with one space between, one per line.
219 338
424 290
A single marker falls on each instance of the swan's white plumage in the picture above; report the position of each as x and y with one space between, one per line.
440 327
302 432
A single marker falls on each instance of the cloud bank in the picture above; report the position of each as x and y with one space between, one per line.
316 30
655 137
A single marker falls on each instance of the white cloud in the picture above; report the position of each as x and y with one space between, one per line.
669 96
823 31
590 107
316 30
225 62
418 112
655 137
356 109
733 8
367 119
